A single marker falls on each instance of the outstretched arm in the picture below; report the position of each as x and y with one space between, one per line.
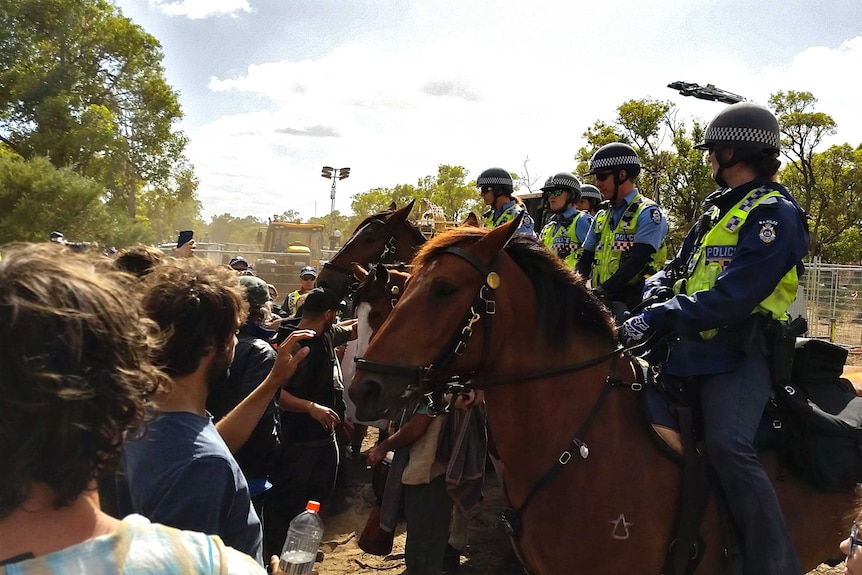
236 427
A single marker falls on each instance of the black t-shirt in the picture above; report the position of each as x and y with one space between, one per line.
317 379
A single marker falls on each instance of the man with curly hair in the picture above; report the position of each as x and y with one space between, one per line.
76 374
180 470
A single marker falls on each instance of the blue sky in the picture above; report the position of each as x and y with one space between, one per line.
274 89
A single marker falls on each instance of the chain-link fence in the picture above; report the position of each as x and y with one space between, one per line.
829 299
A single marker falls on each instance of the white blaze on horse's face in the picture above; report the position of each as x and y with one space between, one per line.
363 328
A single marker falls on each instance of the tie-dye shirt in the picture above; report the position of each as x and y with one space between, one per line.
139 547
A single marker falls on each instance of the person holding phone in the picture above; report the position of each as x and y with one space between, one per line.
185 244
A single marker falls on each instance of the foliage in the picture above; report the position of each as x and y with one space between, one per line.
448 189
673 173
802 130
84 86
225 228
37 198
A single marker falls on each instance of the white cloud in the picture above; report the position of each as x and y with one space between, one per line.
393 115
196 9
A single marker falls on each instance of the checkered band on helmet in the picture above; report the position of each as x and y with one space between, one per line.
591 192
494 177
745 123
563 180
614 156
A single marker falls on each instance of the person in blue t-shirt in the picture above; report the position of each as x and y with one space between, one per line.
179 470
77 374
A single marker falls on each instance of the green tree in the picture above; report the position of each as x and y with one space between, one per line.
453 192
225 229
36 198
167 210
84 86
802 131
673 173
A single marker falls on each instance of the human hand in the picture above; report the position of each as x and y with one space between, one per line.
657 293
274 569
376 454
323 415
463 400
636 329
187 250
286 362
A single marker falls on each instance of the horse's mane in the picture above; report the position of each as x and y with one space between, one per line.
564 304
413 228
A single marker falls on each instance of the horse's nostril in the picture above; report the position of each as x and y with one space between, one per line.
368 392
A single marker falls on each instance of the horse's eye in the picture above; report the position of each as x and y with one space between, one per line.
443 289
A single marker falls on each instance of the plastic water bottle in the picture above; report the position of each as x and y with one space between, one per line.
302 542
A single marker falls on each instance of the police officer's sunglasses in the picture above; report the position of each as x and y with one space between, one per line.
603 176
556 192
854 542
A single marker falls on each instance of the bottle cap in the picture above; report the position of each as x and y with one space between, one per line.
312 506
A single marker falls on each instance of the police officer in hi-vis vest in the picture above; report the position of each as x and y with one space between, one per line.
625 244
564 234
737 271
496 188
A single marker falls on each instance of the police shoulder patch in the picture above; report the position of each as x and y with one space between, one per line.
656 215
768 231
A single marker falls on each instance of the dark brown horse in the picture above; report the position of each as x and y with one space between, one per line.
385 237
511 318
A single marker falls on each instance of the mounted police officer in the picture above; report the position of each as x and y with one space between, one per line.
564 234
737 271
496 187
625 244
591 197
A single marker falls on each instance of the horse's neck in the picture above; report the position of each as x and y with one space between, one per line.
533 422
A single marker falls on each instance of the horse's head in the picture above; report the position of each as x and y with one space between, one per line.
479 304
377 293
384 237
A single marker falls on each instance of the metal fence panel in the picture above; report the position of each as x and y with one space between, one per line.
832 304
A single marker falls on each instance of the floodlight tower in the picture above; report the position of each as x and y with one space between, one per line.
334 175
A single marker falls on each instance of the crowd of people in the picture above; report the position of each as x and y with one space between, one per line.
161 411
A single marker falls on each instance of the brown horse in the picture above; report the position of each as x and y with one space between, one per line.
384 237
509 317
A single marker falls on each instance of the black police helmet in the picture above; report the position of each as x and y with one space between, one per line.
590 192
743 126
564 181
615 157
498 179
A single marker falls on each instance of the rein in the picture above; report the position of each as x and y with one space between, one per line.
388 248
431 374
513 517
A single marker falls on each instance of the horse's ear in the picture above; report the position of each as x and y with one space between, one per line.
381 274
471 221
400 216
392 207
497 238
359 272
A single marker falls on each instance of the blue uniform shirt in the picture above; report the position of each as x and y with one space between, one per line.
650 230
582 226
758 263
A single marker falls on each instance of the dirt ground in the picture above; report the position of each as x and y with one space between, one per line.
489 551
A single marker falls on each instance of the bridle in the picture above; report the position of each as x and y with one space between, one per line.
387 255
431 375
